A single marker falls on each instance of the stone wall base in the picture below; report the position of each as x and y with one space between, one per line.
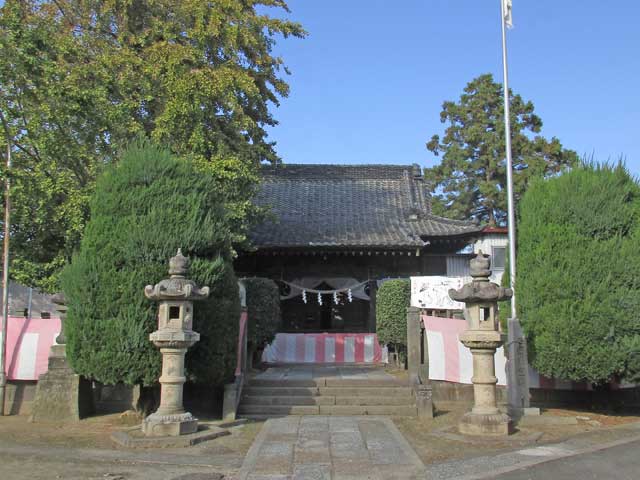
62 395
19 395
458 393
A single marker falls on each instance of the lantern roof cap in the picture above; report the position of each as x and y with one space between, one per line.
480 289
177 286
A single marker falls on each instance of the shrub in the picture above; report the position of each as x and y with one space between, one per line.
263 308
142 210
578 285
392 300
504 308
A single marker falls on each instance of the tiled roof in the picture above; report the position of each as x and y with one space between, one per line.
383 206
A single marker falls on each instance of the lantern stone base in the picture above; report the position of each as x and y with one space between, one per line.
494 424
169 425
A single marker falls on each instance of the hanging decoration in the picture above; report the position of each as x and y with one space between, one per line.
353 290
335 297
319 298
304 296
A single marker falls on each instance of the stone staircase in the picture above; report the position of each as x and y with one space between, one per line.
326 396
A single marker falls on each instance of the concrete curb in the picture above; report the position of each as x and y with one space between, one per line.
128 438
546 455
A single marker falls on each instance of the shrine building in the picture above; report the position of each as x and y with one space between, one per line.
336 231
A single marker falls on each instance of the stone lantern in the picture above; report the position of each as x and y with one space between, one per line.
482 337
173 337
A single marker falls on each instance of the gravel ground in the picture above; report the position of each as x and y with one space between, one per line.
83 450
438 441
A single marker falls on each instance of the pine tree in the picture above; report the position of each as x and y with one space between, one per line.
470 182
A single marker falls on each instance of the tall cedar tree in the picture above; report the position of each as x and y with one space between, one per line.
470 181
143 209
80 79
578 284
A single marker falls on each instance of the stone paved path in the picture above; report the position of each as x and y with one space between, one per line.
330 448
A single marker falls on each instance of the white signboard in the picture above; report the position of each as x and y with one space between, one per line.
433 292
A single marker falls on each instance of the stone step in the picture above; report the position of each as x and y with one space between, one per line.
364 382
292 400
365 391
327 400
280 391
395 410
272 410
327 382
373 401
285 382
267 410
283 391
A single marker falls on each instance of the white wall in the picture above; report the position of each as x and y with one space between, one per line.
458 265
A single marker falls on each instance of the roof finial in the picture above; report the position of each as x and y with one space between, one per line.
179 265
480 267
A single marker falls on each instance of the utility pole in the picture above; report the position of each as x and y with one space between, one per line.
5 267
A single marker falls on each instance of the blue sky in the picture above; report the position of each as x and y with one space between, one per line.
368 83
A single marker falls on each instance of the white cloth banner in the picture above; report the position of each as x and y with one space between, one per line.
433 292
451 361
325 348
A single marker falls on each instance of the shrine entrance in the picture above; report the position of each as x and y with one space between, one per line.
313 306
327 320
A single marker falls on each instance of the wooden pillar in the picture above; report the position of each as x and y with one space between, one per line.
417 359
413 343
373 289
417 347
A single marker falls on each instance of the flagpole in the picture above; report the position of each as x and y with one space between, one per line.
518 400
5 270
507 134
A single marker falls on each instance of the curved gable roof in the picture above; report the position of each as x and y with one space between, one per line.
381 206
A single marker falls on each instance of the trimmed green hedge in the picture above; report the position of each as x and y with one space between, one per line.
263 308
143 209
392 300
578 285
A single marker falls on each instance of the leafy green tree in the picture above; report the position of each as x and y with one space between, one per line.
578 285
143 209
470 182
80 79
392 300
